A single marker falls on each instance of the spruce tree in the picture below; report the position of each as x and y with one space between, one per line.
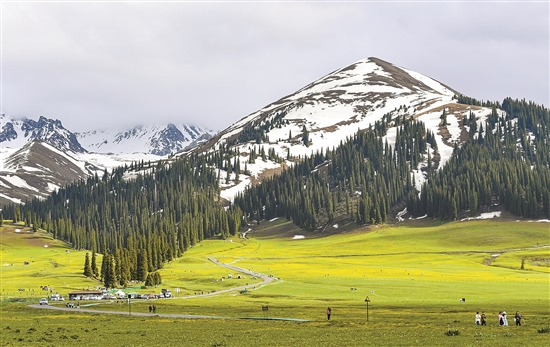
142 266
104 267
158 278
87 268
305 136
110 274
149 281
95 272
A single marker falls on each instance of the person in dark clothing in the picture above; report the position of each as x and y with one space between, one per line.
329 311
517 318
483 318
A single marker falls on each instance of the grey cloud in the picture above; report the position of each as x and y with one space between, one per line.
119 64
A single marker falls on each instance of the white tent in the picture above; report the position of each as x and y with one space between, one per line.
120 294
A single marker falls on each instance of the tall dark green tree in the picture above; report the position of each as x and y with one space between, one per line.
87 267
305 136
142 265
95 271
109 279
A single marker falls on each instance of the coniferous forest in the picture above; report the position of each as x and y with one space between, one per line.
137 224
504 162
140 221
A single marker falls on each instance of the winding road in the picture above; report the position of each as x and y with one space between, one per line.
265 280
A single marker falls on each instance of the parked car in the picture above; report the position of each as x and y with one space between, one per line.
43 301
165 293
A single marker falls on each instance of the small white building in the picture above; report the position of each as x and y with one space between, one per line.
86 295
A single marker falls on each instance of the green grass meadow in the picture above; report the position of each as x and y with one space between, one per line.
414 274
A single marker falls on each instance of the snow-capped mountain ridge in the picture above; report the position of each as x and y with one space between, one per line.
159 140
359 93
16 133
32 153
339 104
37 169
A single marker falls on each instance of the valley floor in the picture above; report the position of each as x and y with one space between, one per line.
415 276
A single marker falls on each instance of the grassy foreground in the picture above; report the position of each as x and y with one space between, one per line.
414 274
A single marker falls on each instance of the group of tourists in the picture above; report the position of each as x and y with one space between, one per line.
481 319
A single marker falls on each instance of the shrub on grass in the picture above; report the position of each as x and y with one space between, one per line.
545 330
452 332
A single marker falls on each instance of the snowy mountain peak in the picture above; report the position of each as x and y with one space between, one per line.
382 76
159 140
327 111
342 102
16 133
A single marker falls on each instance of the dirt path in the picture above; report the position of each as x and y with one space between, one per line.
265 280
126 313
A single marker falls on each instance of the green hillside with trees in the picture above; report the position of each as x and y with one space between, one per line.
144 215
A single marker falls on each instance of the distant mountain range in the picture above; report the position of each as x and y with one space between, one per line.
37 157
160 140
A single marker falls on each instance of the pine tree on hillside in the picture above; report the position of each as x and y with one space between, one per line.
142 266
109 280
95 271
305 136
443 117
87 268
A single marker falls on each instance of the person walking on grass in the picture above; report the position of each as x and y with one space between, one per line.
505 319
483 318
478 318
517 318
329 311
500 319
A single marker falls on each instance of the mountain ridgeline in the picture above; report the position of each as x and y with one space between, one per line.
338 154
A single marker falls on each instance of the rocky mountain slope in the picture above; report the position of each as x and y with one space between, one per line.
37 169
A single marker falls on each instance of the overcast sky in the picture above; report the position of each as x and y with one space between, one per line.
114 64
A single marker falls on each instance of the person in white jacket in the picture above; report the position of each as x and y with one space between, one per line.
505 319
